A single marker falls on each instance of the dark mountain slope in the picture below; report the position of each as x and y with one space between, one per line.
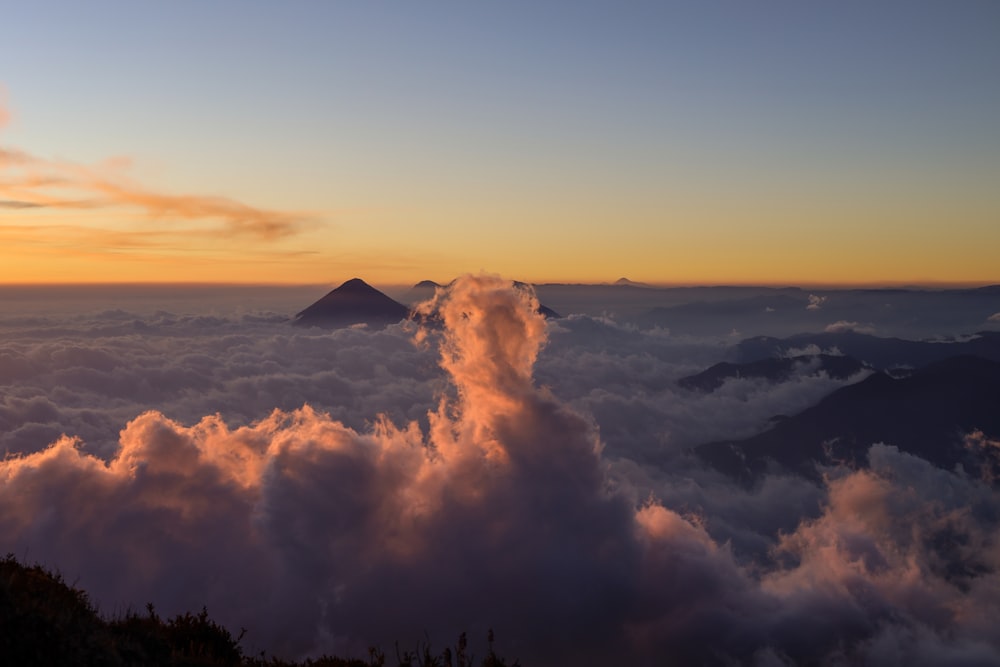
926 414
354 302
773 370
882 353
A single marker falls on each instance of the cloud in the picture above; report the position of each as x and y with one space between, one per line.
511 482
102 369
810 350
815 302
902 550
995 317
385 504
842 326
987 452
31 182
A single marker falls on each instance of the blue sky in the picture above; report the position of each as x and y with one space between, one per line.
547 140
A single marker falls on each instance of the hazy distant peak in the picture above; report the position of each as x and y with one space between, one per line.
631 283
425 284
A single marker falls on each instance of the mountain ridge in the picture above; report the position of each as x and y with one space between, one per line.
926 414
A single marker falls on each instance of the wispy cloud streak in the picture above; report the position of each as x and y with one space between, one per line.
28 181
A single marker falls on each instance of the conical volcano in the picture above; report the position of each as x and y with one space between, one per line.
354 302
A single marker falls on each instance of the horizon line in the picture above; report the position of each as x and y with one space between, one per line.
811 284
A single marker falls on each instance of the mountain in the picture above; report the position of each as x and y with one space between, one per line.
784 311
425 289
926 414
630 283
47 621
422 291
881 353
547 312
773 370
354 302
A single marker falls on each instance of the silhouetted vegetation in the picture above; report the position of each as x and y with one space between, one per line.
45 621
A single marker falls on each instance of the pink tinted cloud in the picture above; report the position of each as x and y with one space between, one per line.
503 498
31 182
500 512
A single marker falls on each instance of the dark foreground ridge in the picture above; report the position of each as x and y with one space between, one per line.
44 621
354 302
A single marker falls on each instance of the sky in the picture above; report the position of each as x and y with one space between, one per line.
311 142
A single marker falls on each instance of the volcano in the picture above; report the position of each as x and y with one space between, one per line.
354 302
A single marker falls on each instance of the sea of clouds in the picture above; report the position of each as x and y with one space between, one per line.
329 490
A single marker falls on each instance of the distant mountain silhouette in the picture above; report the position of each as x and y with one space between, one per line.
881 353
758 312
422 291
630 283
425 290
718 311
542 309
354 302
547 312
926 414
773 370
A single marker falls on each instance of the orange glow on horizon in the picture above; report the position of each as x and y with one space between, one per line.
62 222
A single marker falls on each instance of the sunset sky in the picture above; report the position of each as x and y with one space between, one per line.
310 142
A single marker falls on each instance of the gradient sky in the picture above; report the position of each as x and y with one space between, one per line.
309 142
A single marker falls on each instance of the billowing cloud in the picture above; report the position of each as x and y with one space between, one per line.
487 494
903 558
94 372
995 317
816 302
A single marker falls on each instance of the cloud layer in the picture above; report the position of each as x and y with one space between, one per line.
523 476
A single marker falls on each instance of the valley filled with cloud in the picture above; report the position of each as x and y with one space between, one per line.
332 489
